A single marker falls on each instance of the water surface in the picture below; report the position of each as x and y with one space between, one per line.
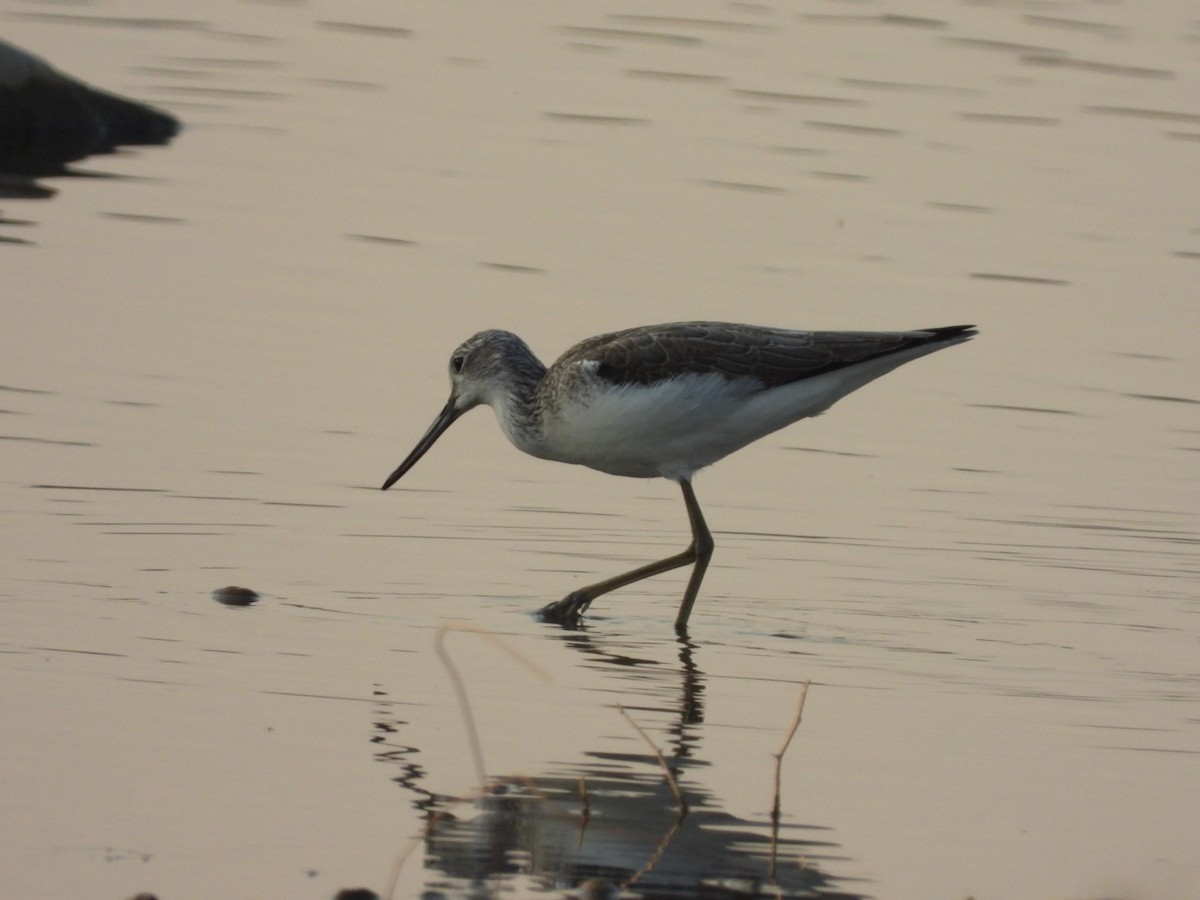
986 564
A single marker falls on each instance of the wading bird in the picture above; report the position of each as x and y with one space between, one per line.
664 401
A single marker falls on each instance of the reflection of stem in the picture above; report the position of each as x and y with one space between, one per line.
658 852
464 705
431 819
775 809
460 690
585 812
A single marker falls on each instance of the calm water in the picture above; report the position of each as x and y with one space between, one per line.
986 564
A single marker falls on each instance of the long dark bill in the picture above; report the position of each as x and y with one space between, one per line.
444 420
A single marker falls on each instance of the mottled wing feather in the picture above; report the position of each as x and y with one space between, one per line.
771 356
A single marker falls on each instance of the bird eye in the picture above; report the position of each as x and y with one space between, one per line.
456 363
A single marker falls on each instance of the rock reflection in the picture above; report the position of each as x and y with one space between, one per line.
49 119
611 825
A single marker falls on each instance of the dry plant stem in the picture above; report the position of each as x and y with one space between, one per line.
775 808
671 782
795 722
665 841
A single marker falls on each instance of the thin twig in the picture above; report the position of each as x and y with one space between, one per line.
775 809
671 782
665 840
795 722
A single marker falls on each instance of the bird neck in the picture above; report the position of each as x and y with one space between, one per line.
515 399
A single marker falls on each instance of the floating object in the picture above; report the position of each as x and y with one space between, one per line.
235 596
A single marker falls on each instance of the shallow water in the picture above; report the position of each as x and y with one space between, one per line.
986 564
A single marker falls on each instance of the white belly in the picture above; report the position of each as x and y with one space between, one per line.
673 428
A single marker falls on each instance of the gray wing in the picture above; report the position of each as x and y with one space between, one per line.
771 356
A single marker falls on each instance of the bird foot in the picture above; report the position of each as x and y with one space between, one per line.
567 611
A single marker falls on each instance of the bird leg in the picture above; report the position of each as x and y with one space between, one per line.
701 550
571 607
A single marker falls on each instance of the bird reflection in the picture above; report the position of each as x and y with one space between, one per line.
618 829
687 699
611 824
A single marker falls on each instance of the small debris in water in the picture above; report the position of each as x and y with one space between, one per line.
356 894
235 596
